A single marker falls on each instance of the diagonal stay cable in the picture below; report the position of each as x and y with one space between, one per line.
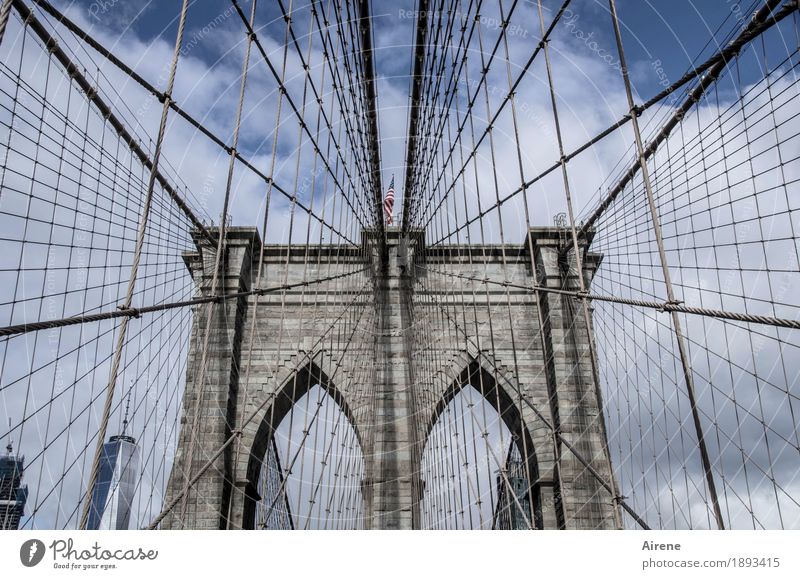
86 86
655 305
298 113
137 312
549 426
237 433
722 57
506 99
761 21
113 59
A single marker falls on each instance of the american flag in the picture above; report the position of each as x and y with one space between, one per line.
388 203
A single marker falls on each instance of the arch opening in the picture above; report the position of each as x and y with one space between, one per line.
306 467
479 468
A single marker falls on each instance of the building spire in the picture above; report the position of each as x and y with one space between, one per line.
10 445
125 419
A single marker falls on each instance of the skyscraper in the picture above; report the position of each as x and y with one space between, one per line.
116 483
507 513
273 510
13 494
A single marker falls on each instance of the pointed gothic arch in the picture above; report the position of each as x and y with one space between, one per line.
477 378
293 390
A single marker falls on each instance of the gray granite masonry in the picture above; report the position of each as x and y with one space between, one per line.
392 341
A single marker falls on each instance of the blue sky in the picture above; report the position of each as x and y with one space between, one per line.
662 39
675 32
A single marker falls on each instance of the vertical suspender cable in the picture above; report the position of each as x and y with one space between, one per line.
580 273
676 325
112 380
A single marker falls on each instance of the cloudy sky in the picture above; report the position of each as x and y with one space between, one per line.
663 39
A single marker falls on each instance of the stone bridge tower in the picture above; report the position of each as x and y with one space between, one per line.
265 351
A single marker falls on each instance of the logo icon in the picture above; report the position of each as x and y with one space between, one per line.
31 553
